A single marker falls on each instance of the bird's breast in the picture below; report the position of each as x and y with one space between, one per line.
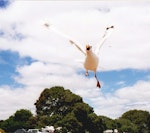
91 62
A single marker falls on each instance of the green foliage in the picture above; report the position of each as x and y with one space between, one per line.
33 122
56 101
140 120
70 123
61 108
22 115
125 125
81 111
95 124
19 120
109 123
133 121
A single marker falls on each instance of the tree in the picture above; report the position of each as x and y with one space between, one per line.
109 123
125 125
140 118
81 111
71 124
61 108
19 120
56 100
95 124
22 115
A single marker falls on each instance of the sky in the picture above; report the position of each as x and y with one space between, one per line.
33 57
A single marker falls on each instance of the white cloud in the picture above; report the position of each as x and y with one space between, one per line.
36 77
129 41
85 21
15 99
124 99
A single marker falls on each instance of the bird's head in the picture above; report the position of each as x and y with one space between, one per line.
88 47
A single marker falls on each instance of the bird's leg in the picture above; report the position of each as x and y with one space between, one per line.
86 73
98 83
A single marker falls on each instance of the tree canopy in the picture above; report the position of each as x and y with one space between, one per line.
19 120
56 100
60 107
140 119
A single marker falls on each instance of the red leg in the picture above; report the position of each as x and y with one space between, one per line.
86 73
98 83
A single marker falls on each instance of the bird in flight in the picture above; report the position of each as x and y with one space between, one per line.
91 56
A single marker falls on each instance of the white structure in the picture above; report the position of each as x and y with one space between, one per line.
108 131
33 131
111 131
115 131
48 129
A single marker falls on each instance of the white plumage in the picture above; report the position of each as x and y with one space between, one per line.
91 57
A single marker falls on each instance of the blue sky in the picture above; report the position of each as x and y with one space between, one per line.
8 62
4 3
115 79
33 58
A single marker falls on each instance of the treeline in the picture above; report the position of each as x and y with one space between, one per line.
61 108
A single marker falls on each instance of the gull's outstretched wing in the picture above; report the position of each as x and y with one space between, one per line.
108 31
72 41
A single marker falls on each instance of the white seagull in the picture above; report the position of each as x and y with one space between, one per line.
91 57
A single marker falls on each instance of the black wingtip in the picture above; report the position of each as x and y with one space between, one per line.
109 27
112 26
46 24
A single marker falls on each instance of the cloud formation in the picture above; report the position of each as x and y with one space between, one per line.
23 32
